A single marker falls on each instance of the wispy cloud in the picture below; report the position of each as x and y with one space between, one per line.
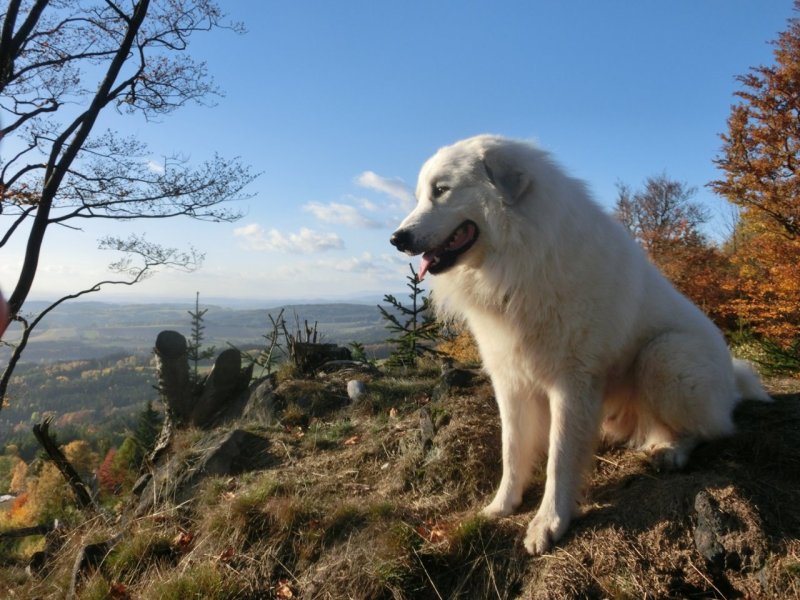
394 187
306 241
155 167
365 265
340 214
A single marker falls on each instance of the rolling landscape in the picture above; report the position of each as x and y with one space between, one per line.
91 363
93 330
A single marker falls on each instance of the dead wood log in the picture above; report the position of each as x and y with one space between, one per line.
173 375
225 382
26 531
79 488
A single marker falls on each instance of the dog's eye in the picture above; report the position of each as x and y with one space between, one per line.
439 190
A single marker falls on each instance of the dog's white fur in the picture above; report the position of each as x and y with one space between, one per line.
574 325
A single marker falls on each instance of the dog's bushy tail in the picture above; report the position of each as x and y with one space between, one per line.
748 382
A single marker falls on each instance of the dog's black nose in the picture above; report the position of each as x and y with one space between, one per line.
401 239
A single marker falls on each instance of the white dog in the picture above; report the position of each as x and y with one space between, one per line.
574 325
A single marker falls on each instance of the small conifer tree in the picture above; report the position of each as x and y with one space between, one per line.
148 426
414 327
195 350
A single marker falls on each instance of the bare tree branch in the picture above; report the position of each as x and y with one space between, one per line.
61 65
150 257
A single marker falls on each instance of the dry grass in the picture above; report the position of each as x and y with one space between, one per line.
361 507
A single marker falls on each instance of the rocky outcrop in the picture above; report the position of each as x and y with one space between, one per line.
217 453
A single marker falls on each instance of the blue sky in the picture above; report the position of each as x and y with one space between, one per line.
337 104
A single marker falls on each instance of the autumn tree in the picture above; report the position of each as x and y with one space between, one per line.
664 218
110 478
63 65
760 162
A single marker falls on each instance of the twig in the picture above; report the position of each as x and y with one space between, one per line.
607 461
422 564
707 580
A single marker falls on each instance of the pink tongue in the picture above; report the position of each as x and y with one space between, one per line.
424 265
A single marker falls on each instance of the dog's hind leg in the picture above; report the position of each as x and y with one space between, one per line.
688 390
525 423
575 407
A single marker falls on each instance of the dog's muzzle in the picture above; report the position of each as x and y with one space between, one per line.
401 239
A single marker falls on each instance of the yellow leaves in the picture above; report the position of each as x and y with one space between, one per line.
283 590
767 285
434 532
761 152
183 541
18 477
226 555
461 348
118 591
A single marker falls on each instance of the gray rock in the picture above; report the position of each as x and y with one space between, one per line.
356 389
261 404
218 453
709 529
729 539
221 386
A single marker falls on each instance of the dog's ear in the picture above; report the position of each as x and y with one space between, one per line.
511 181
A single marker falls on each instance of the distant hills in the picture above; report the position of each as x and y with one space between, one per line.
87 330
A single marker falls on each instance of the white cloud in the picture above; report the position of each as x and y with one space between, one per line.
367 205
155 167
366 265
306 241
355 264
340 214
394 187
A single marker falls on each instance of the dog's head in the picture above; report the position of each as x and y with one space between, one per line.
460 190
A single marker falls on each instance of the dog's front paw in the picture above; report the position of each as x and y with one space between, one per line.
503 504
545 529
497 509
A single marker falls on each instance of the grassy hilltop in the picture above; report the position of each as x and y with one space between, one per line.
379 499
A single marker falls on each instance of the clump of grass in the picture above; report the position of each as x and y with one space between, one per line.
294 416
133 556
202 580
97 588
342 522
212 489
318 397
256 496
287 371
399 393
381 510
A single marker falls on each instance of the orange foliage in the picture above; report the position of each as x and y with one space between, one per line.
18 477
18 503
761 162
665 220
703 274
21 513
462 347
766 290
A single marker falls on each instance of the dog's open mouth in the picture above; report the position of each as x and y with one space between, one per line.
446 255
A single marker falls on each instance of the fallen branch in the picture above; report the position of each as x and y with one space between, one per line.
26 531
81 491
